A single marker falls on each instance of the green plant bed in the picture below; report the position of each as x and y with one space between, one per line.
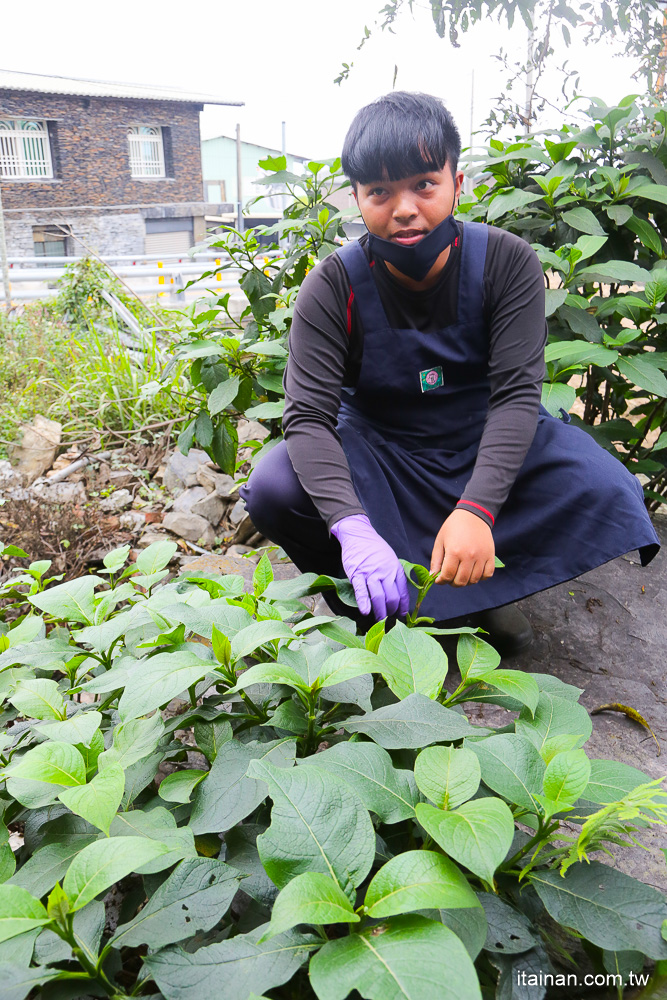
313 815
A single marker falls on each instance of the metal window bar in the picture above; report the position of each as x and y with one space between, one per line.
146 151
24 149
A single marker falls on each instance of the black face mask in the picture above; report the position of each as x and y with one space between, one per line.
416 261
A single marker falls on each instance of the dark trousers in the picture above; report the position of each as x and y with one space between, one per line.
280 509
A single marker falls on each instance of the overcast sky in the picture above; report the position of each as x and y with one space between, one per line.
280 57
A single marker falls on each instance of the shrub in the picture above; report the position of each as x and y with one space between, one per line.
371 831
592 200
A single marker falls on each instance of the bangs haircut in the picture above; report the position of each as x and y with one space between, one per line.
400 135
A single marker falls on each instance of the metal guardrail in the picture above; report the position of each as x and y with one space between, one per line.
173 272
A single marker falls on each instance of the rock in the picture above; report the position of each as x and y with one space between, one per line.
243 550
117 501
251 430
222 565
237 513
132 520
59 492
8 475
38 447
189 526
215 482
186 500
211 507
149 537
181 470
120 477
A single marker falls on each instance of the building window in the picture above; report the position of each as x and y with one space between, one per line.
24 149
51 241
146 151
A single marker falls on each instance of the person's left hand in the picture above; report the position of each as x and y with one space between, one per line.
464 551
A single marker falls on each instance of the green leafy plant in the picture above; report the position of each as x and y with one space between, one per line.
236 363
591 200
343 819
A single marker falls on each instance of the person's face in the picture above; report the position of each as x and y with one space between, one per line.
405 211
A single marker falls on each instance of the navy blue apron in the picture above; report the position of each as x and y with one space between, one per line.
411 430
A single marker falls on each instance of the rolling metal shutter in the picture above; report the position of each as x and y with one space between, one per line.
176 242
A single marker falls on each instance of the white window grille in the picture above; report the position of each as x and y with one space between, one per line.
24 149
146 151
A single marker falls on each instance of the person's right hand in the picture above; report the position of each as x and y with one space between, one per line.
372 568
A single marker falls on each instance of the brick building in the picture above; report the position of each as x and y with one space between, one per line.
115 165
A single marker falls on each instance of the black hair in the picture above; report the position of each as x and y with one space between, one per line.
399 135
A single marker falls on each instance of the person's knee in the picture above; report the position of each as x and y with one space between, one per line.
272 491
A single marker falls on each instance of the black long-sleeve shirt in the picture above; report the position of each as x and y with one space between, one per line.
324 356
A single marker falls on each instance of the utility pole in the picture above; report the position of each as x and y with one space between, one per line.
3 260
239 185
660 82
528 114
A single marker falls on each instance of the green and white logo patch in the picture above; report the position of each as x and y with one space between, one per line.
431 378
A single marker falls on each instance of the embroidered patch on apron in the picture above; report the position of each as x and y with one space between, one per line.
431 378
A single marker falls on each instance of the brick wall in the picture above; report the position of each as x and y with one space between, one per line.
90 151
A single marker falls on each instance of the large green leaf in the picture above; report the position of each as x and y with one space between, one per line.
557 396
223 394
98 801
79 728
611 780
132 741
415 722
418 880
49 864
231 969
268 673
584 221
38 699
515 683
447 776
19 912
607 907
159 679
156 557
554 716
72 601
513 201
53 763
156 825
106 861
478 834
18 981
311 898
639 370
318 824
389 792
347 664
227 794
415 662
210 736
652 192
511 766
576 352
620 272
565 779
194 898
406 958
509 932
475 657
179 786
251 638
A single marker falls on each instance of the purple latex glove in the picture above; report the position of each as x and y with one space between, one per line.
372 568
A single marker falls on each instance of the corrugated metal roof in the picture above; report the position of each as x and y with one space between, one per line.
11 80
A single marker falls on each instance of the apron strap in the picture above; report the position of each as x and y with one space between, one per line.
366 295
471 274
